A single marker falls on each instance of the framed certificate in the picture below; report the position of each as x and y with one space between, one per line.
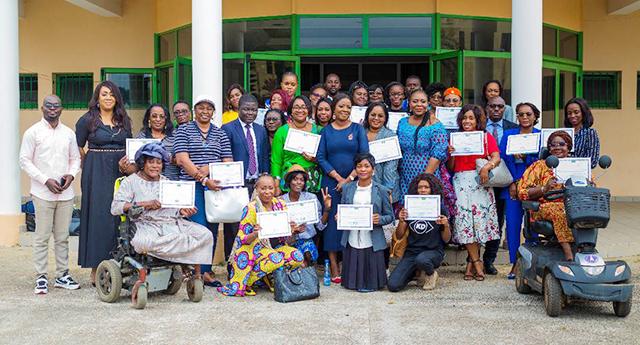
230 174
448 116
303 212
355 217
301 141
177 194
274 224
260 117
357 114
394 119
384 150
467 143
133 145
576 168
523 143
422 207
546 132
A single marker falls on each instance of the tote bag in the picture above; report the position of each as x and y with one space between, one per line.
225 206
498 177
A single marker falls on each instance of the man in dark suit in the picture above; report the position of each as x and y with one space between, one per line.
496 125
249 144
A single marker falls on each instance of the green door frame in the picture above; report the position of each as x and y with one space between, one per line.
270 57
562 67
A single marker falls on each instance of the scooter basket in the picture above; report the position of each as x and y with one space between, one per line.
587 207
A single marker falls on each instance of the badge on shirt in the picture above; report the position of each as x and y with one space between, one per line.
350 137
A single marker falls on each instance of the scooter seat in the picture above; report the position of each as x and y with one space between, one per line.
544 228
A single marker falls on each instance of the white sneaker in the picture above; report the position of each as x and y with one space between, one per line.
66 282
430 281
42 285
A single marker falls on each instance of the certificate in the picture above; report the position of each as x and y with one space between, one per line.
467 143
303 212
448 116
260 117
394 119
177 194
422 207
273 224
384 150
574 168
355 217
357 114
133 145
523 143
546 132
230 174
301 141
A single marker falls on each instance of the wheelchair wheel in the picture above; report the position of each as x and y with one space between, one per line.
521 286
175 282
622 309
139 295
553 295
108 281
195 289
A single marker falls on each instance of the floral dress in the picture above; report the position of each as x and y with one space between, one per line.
252 261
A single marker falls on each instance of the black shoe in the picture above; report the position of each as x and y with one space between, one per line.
490 269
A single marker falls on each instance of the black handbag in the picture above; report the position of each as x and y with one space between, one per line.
296 285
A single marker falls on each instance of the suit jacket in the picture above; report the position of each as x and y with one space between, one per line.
381 205
239 149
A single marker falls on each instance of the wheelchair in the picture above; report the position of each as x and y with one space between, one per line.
142 274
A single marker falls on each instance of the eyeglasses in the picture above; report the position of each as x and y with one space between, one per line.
497 106
561 144
299 107
396 94
525 114
272 119
48 105
376 92
315 94
181 112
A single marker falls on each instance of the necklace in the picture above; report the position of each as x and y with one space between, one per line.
203 134
298 127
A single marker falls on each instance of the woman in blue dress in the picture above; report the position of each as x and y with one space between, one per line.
339 143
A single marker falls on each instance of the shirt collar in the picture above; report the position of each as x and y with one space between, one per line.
244 125
496 124
48 125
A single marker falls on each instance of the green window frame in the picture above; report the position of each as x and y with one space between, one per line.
496 20
138 93
74 89
602 89
28 90
558 33
638 90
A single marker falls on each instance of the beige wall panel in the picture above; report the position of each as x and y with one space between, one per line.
485 8
171 14
342 6
564 13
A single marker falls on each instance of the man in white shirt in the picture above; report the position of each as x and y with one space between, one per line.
50 156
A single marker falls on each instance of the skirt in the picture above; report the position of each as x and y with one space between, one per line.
363 269
476 218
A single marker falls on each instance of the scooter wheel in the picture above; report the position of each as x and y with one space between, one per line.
622 309
521 286
195 289
553 295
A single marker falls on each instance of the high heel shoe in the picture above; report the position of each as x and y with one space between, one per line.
479 276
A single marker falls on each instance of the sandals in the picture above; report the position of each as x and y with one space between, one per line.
468 275
479 276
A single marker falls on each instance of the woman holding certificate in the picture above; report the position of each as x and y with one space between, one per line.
386 173
286 150
254 257
577 115
157 124
363 265
161 232
476 220
341 141
517 159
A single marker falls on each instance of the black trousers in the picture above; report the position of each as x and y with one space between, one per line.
427 261
491 247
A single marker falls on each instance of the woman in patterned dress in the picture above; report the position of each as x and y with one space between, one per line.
577 115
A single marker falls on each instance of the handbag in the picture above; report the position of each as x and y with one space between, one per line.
499 176
225 206
296 285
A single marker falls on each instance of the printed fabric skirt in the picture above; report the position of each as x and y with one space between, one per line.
363 269
476 216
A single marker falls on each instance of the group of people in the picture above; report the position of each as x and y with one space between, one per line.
342 171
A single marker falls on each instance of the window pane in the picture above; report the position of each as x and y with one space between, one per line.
167 46
478 70
473 34
602 89
379 73
232 73
185 84
400 32
265 76
28 91
568 83
165 85
448 71
261 35
419 69
74 90
548 41
568 45
134 87
548 98
330 33
184 42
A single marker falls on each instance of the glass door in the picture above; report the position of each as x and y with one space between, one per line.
264 72
560 83
446 68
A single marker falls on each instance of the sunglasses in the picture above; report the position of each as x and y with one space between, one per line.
562 144
497 106
48 105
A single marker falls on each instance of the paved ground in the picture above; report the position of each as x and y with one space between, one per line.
458 312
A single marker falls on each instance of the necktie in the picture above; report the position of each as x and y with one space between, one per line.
253 166
495 131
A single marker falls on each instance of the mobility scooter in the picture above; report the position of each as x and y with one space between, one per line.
542 267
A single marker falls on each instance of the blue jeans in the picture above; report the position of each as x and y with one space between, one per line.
201 218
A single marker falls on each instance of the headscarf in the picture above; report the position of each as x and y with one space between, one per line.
154 150
452 91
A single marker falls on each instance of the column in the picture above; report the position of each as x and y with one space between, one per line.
206 52
526 52
10 216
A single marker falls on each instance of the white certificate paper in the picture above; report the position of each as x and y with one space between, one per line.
546 132
448 116
133 145
230 174
357 114
422 207
301 141
467 143
523 143
177 194
575 168
394 119
274 224
260 117
303 212
384 150
355 217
